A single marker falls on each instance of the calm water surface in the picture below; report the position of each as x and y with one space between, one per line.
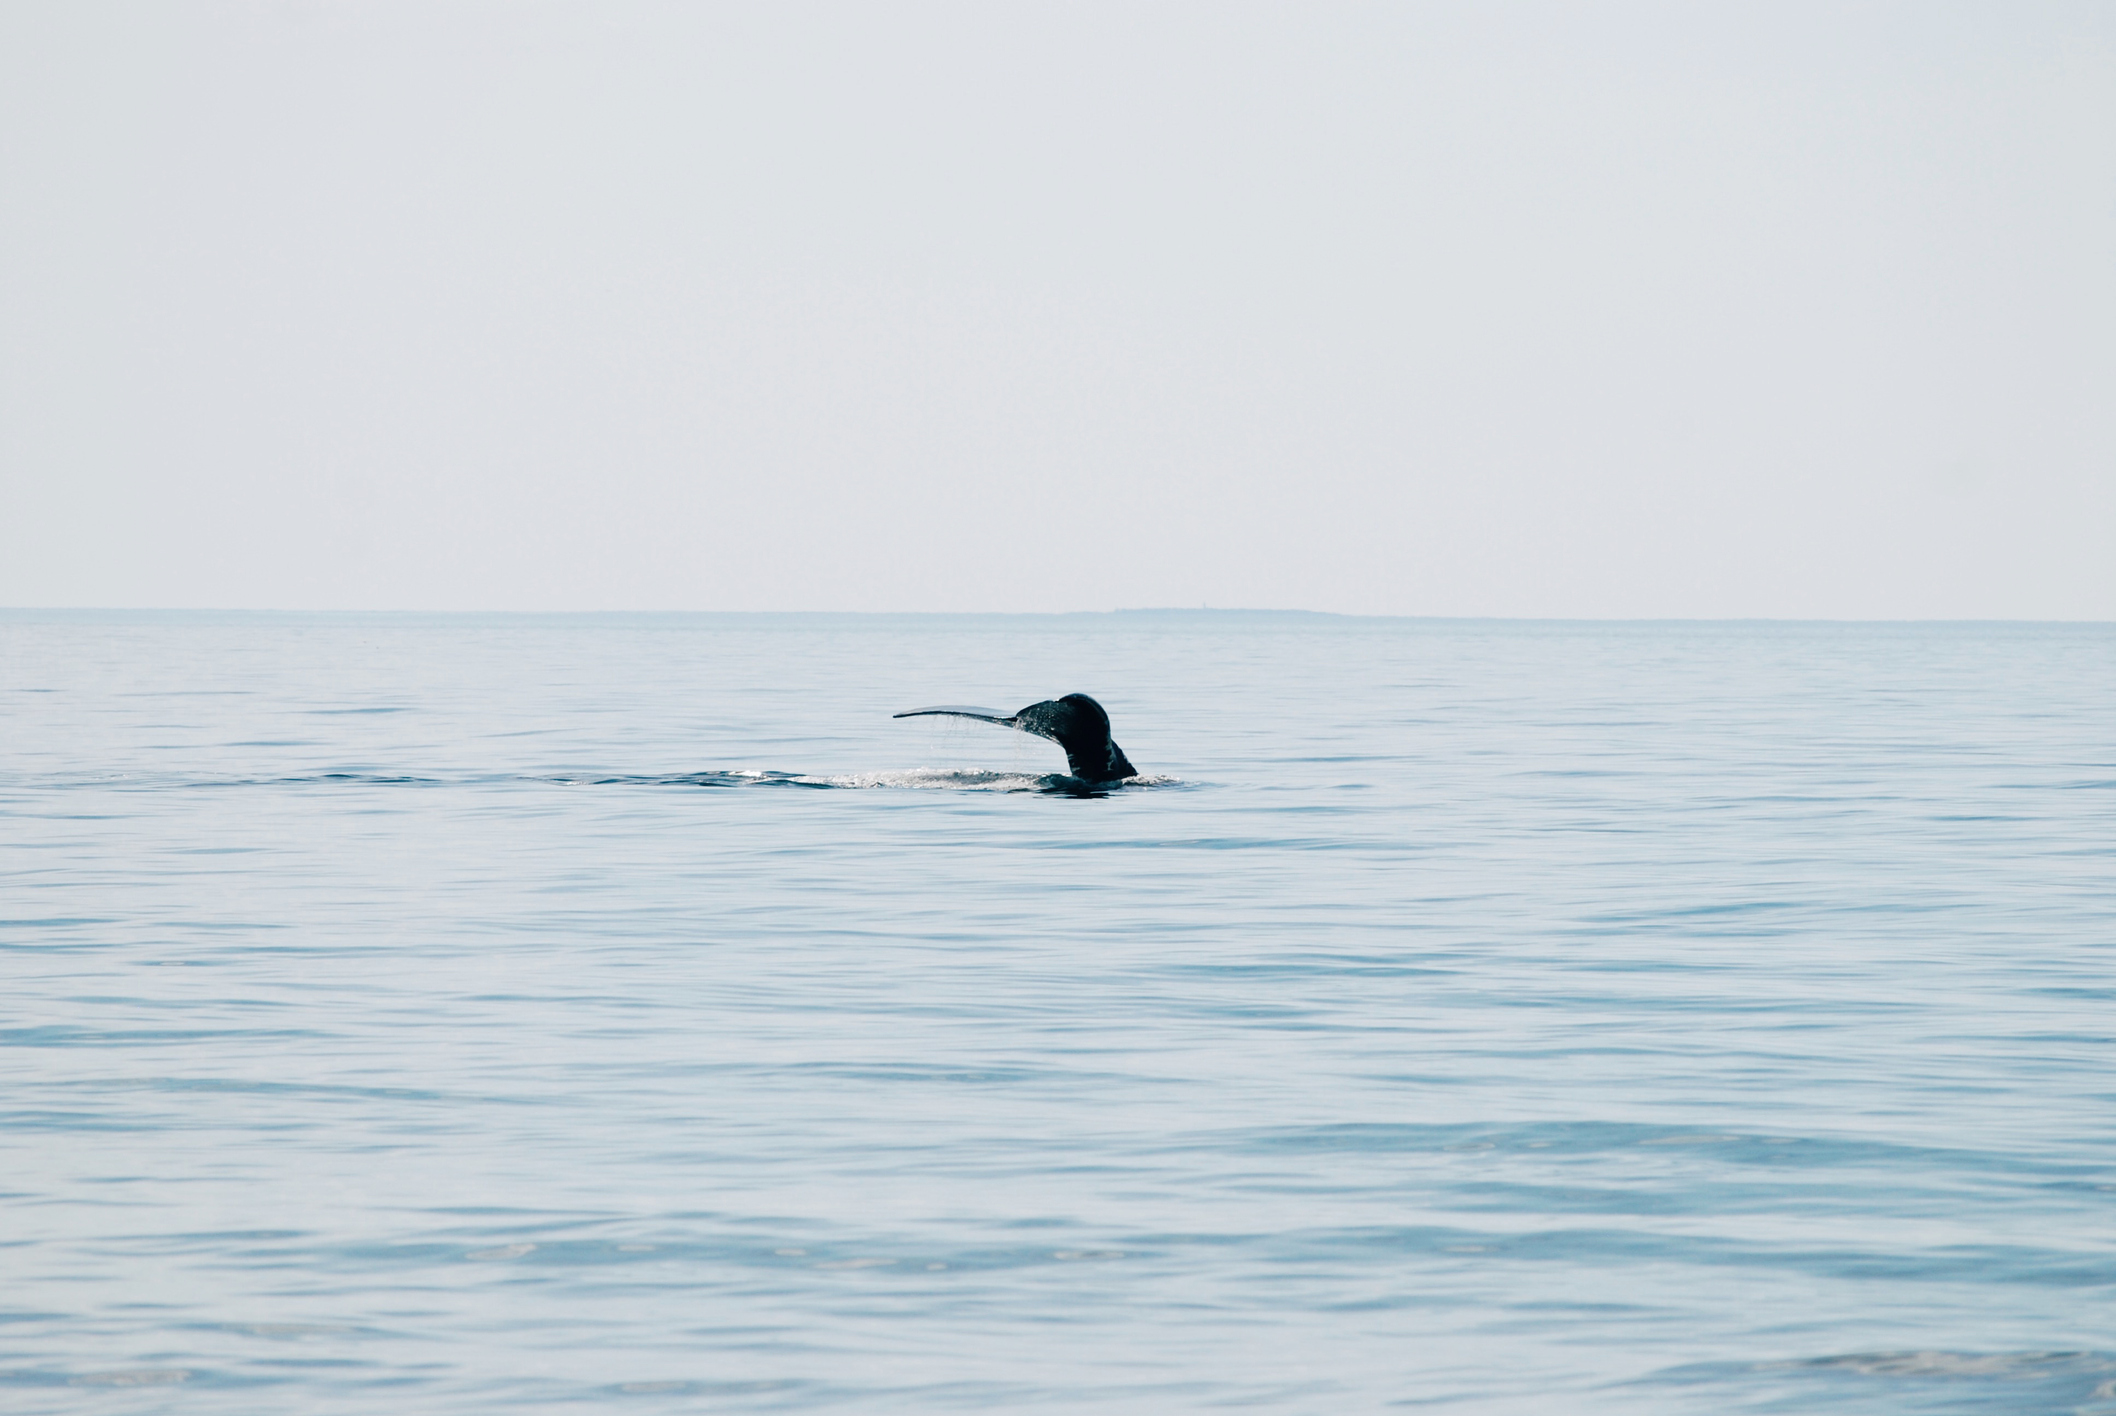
428 1014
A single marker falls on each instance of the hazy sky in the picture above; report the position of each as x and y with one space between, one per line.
1458 309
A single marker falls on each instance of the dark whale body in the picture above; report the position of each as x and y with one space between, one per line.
1075 722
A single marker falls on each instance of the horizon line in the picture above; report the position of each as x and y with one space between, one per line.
1169 610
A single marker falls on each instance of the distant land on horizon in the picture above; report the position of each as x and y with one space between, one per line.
1193 613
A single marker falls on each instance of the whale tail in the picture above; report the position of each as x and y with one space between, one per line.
1075 722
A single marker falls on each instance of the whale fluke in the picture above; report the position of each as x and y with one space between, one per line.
1075 722
982 715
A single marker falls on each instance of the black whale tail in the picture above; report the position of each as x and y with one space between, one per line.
1075 722
1078 724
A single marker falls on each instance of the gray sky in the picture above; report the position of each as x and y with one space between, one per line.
1462 309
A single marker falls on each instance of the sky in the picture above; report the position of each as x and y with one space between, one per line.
1513 309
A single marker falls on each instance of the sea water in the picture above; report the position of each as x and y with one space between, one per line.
490 1013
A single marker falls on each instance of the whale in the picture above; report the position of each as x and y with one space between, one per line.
1075 722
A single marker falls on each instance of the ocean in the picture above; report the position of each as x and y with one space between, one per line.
482 1013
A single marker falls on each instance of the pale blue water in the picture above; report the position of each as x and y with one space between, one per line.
1491 1017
